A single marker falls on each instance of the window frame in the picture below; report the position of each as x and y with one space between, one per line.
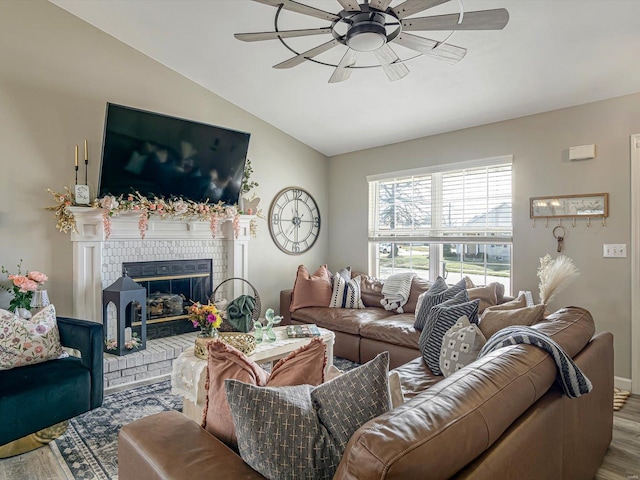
502 236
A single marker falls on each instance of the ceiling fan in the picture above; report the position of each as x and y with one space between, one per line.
372 26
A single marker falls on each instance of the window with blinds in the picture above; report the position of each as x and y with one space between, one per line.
452 219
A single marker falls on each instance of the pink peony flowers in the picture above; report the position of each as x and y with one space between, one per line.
23 287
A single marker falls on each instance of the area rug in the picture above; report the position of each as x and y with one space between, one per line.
89 447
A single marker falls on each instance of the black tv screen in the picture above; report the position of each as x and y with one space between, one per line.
163 156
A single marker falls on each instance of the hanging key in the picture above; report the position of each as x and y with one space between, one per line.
558 234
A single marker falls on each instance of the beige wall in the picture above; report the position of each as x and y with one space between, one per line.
56 75
539 144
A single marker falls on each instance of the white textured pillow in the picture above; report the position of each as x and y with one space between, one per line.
346 294
460 346
28 341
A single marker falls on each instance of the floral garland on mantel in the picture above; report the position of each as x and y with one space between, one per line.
177 208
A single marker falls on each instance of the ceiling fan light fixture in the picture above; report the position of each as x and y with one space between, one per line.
366 37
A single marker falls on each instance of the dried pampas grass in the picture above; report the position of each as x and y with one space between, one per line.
555 274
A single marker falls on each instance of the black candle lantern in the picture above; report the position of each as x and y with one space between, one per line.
125 293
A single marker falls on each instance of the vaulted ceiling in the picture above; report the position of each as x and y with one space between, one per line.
551 54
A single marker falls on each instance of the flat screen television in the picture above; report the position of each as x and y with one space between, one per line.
164 156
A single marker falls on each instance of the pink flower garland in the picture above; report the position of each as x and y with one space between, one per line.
106 222
143 223
213 224
236 225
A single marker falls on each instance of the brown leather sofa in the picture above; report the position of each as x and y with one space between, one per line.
503 416
361 334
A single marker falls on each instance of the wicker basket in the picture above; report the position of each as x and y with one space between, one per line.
255 313
245 342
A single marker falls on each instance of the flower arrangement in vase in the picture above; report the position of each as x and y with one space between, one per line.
206 317
23 288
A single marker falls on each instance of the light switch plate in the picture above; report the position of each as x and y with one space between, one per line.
614 250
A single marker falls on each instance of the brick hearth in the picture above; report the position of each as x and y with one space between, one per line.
152 364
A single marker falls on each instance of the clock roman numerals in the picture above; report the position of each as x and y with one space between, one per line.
294 221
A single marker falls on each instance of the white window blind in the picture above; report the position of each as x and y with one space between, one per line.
467 203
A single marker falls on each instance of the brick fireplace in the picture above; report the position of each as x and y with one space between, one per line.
98 262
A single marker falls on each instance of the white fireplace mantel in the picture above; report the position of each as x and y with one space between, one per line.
97 261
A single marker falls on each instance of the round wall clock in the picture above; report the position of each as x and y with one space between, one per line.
294 220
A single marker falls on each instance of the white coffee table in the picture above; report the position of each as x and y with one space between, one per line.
189 372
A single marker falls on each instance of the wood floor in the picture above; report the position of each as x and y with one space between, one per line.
623 458
621 463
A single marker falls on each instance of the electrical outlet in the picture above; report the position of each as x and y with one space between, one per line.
614 250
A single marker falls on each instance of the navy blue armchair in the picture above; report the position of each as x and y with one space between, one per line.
38 396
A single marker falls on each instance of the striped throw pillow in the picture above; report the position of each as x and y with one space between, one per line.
346 294
437 294
443 318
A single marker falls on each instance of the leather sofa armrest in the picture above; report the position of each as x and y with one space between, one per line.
86 337
285 303
169 445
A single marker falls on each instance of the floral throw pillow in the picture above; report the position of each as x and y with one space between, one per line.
28 341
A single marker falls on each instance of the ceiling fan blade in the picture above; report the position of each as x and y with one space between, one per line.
259 36
386 57
342 71
300 8
382 5
411 7
350 5
481 20
298 59
443 51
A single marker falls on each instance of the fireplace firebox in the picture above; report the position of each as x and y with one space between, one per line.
172 286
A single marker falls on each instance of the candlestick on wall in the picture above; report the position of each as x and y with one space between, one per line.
76 165
86 162
82 191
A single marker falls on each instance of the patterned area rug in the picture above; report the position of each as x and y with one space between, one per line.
90 445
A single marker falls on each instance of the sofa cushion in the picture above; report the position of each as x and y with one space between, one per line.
443 318
311 290
494 320
486 295
370 290
499 288
346 320
416 377
28 341
303 366
519 302
434 296
460 346
312 425
346 293
396 330
418 287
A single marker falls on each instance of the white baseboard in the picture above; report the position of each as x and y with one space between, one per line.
622 383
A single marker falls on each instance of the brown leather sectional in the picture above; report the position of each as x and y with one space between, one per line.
361 334
503 416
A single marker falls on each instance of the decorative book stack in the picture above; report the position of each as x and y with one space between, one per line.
296 331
